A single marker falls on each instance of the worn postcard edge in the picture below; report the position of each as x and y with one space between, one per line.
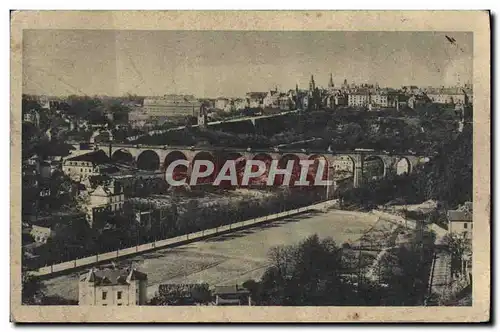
477 22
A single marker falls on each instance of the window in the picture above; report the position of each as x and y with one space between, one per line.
119 304
104 304
465 225
104 295
119 295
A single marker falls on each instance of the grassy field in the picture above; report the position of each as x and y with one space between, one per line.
231 258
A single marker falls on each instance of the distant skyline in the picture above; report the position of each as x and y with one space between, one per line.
232 63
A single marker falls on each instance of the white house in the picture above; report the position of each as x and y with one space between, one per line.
113 287
460 220
271 99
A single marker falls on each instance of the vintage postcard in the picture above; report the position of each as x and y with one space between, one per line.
229 166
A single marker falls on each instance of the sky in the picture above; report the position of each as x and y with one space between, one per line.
232 63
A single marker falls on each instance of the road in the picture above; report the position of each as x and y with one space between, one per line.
211 123
231 258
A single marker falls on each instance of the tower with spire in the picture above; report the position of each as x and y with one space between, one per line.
345 85
312 85
298 104
330 82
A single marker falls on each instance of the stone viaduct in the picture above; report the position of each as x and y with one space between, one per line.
150 157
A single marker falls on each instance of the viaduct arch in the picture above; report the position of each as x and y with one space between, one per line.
403 166
178 172
123 156
374 167
148 160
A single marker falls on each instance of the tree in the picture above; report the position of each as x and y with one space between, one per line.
29 104
450 172
83 106
182 294
32 291
405 269
459 247
304 274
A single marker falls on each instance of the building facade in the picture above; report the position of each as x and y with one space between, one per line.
271 100
108 195
358 99
285 102
78 169
379 100
460 220
41 234
240 104
171 106
138 118
223 104
232 295
255 99
104 201
450 96
81 167
113 287
32 116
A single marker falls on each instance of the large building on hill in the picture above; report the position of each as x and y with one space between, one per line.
359 98
113 287
450 96
171 106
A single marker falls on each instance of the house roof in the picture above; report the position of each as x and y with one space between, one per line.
98 157
232 289
448 91
256 94
108 168
107 190
457 215
113 276
59 219
183 290
41 228
360 92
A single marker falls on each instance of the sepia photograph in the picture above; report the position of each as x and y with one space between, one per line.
181 168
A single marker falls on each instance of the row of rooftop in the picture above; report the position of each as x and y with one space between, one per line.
345 87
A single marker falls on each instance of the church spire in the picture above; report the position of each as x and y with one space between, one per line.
312 85
330 82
